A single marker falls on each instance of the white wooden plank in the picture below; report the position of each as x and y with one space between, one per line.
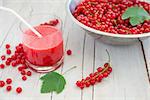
88 64
75 43
129 78
146 44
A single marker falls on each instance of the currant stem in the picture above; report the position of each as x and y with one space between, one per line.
108 56
69 69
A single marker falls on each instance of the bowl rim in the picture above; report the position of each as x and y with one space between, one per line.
101 32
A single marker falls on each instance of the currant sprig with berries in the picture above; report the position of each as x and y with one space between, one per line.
97 76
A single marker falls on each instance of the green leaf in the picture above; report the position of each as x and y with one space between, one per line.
134 11
130 12
147 18
136 20
53 82
137 15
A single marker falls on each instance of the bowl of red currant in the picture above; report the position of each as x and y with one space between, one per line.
112 21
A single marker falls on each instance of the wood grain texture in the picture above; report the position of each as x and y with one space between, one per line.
129 80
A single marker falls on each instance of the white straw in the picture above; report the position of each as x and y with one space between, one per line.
17 15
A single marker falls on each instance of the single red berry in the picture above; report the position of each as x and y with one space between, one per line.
101 76
82 87
20 68
13 64
87 84
105 74
8 80
2 66
110 69
9 59
53 22
98 79
29 73
99 69
87 78
69 52
24 66
13 57
78 83
8 88
22 61
3 57
106 65
18 89
23 72
92 81
7 63
20 44
7 46
95 73
24 78
18 61
8 51
91 75
108 72
2 83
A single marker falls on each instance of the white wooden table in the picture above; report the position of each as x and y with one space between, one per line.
130 79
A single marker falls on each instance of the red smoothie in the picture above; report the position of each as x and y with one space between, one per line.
45 51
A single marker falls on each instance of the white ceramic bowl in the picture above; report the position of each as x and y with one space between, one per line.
104 36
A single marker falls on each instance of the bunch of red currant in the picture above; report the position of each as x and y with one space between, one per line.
95 77
105 15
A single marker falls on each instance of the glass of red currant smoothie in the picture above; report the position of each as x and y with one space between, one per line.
43 54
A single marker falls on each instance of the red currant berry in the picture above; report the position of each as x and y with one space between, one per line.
92 81
53 22
87 78
2 66
78 83
87 84
106 65
22 61
24 78
20 44
13 64
23 72
8 88
2 83
8 51
110 69
13 57
7 46
98 79
69 52
8 80
105 74
7 63
3 57
91 75
18 61
99 69
18 89
20 68
82 87
29 73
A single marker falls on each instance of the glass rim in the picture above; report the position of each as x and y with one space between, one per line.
46 26
38 14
